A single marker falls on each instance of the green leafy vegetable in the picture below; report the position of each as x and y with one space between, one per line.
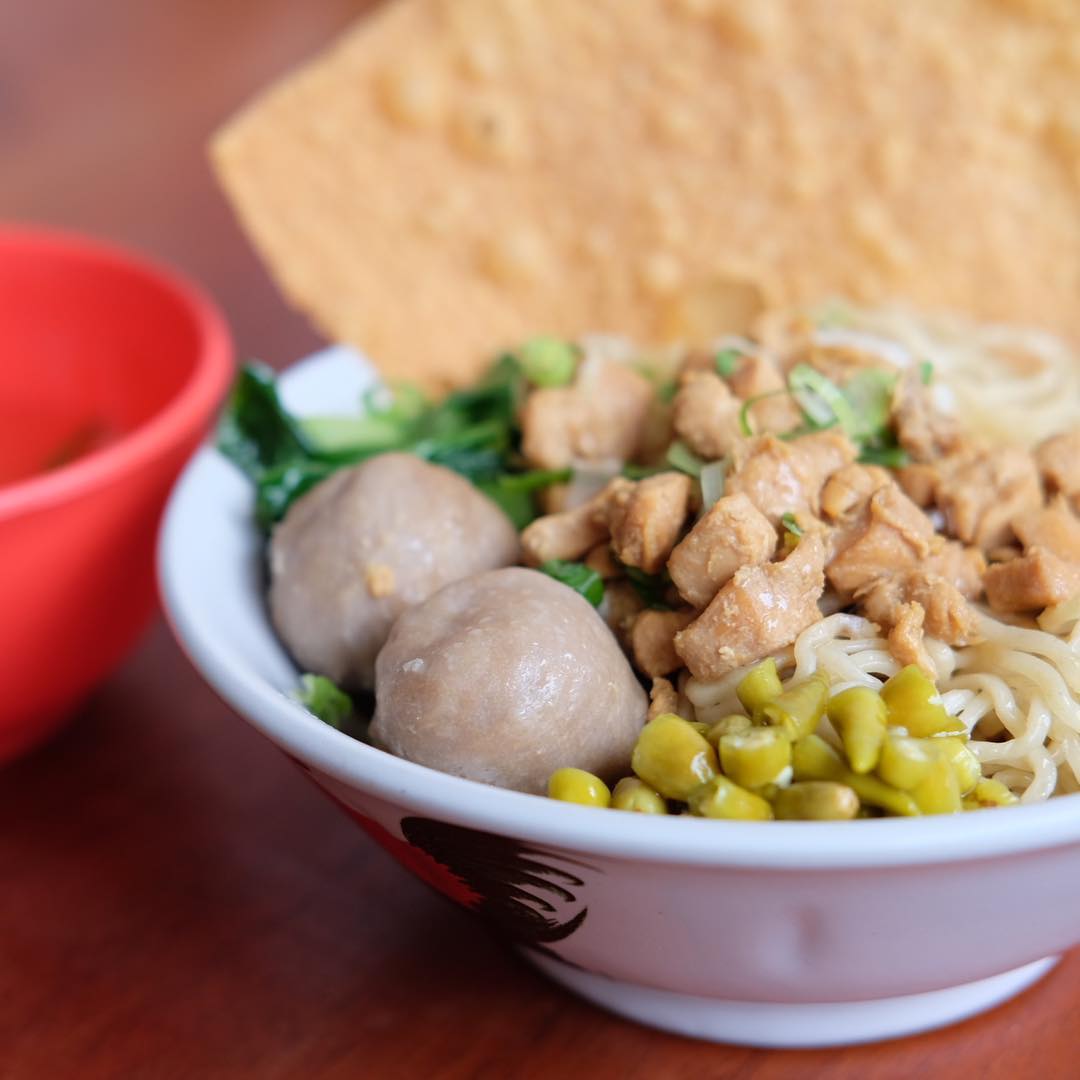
514 491
727 362
277 488
926 372
681 457
256 433
578 576
713 479
791 525
666 391
472 431
325 700
651 588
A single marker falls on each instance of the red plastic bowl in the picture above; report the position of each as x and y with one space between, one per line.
121 363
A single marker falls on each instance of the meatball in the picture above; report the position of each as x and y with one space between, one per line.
367 543
504 678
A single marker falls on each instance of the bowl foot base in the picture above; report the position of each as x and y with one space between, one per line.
783 1025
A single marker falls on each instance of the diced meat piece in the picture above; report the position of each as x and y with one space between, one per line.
761 609
922 429
657 432
601 559
698 360
906 638
646 518
848 489
620 607
756 376
733 533
566 535
616 402
1055 528
821 454
652 640
982 494
947 615
706 414
663 698
787 477
963 567
600 417
919 482
1058 459
890 534
1035 580
554 498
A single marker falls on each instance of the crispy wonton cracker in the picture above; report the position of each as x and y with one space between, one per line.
455 175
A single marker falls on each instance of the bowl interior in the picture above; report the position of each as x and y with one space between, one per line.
94 344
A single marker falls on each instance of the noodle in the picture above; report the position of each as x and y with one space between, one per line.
1017 693
1011 383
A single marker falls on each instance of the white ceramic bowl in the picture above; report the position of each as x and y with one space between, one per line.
768 934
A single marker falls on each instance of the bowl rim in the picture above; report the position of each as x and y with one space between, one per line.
359 767
183 412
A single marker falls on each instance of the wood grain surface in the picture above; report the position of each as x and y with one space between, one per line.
176 900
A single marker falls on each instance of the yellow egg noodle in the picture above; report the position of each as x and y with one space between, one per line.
1012 383
1020 683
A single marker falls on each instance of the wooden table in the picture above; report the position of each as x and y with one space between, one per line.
175 899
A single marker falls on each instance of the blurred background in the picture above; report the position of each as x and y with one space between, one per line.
105 111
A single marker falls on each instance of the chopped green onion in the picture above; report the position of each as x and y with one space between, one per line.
397 401
666 391
354 434
727 362
809 428
681 457
534 479
579 577
816 394
323 699
712 480
791 524
870 394
926 372
641 472
548 362
890 457
744 413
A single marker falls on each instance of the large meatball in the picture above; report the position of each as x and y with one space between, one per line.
504 678
367 543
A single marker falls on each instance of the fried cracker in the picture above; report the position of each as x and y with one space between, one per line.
456 175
